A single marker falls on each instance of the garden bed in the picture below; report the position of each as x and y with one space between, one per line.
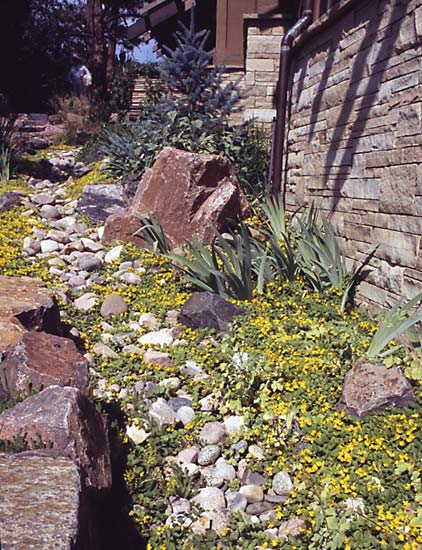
356 483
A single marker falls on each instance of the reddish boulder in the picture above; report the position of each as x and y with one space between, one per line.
188 192
30 302
67 424
370 387
11 331
40 360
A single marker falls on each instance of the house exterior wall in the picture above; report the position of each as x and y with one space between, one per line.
354 144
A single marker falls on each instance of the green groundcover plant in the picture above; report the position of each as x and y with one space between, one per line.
357 482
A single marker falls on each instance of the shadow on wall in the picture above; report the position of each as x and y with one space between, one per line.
359 87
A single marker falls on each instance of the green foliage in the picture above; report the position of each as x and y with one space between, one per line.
152 232
228 267
399 319
124 77
193 115
6 148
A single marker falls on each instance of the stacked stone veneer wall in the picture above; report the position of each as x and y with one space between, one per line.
258 79
355 136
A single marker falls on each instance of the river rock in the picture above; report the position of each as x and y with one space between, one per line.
212 433
282 484
86 302
40 360
68 424
370 387
114 304
204 192
208 310
89 262
208 455
162 414
210 498
253 493
161 337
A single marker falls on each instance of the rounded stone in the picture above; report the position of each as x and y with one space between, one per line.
114 304
113 254
130 278
253 493
185 415
236 501
208 455
212 433
49 245
210 498
86 302
89 262
226 471
49 212
282 484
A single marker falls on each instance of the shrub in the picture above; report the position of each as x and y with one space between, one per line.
193 115
76 114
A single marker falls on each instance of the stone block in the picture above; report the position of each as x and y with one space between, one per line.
375 142
262 65
404 82
361 189
43 503
263 44
397 248
398 191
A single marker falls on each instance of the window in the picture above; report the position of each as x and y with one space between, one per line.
321 6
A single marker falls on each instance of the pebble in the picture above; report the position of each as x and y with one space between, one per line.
76 281
210 498
189 455
162 414
211 477
236 501
86 302
148 320
43 198
157 338
177 402
49 212
130 278
172 383
49 246
208 455
104 351
157 358
253 493
89 262
113 254
90 245
256 452
234 424
226 471
185 415
212 433
114 304
282 484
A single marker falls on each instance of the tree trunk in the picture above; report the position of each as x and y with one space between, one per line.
112 25
95 25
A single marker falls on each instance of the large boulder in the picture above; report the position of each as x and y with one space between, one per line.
100 200
188 192
66 423
42 505
370 387
207 310
30 302
38 360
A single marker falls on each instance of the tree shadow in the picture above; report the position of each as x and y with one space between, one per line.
370 94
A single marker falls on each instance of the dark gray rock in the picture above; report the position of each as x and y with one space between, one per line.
98 201
207 310
9 200
177 402
370 387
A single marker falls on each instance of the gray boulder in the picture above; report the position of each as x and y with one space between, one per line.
100 200
207 310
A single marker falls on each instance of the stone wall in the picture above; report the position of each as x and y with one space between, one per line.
355 142
263 35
